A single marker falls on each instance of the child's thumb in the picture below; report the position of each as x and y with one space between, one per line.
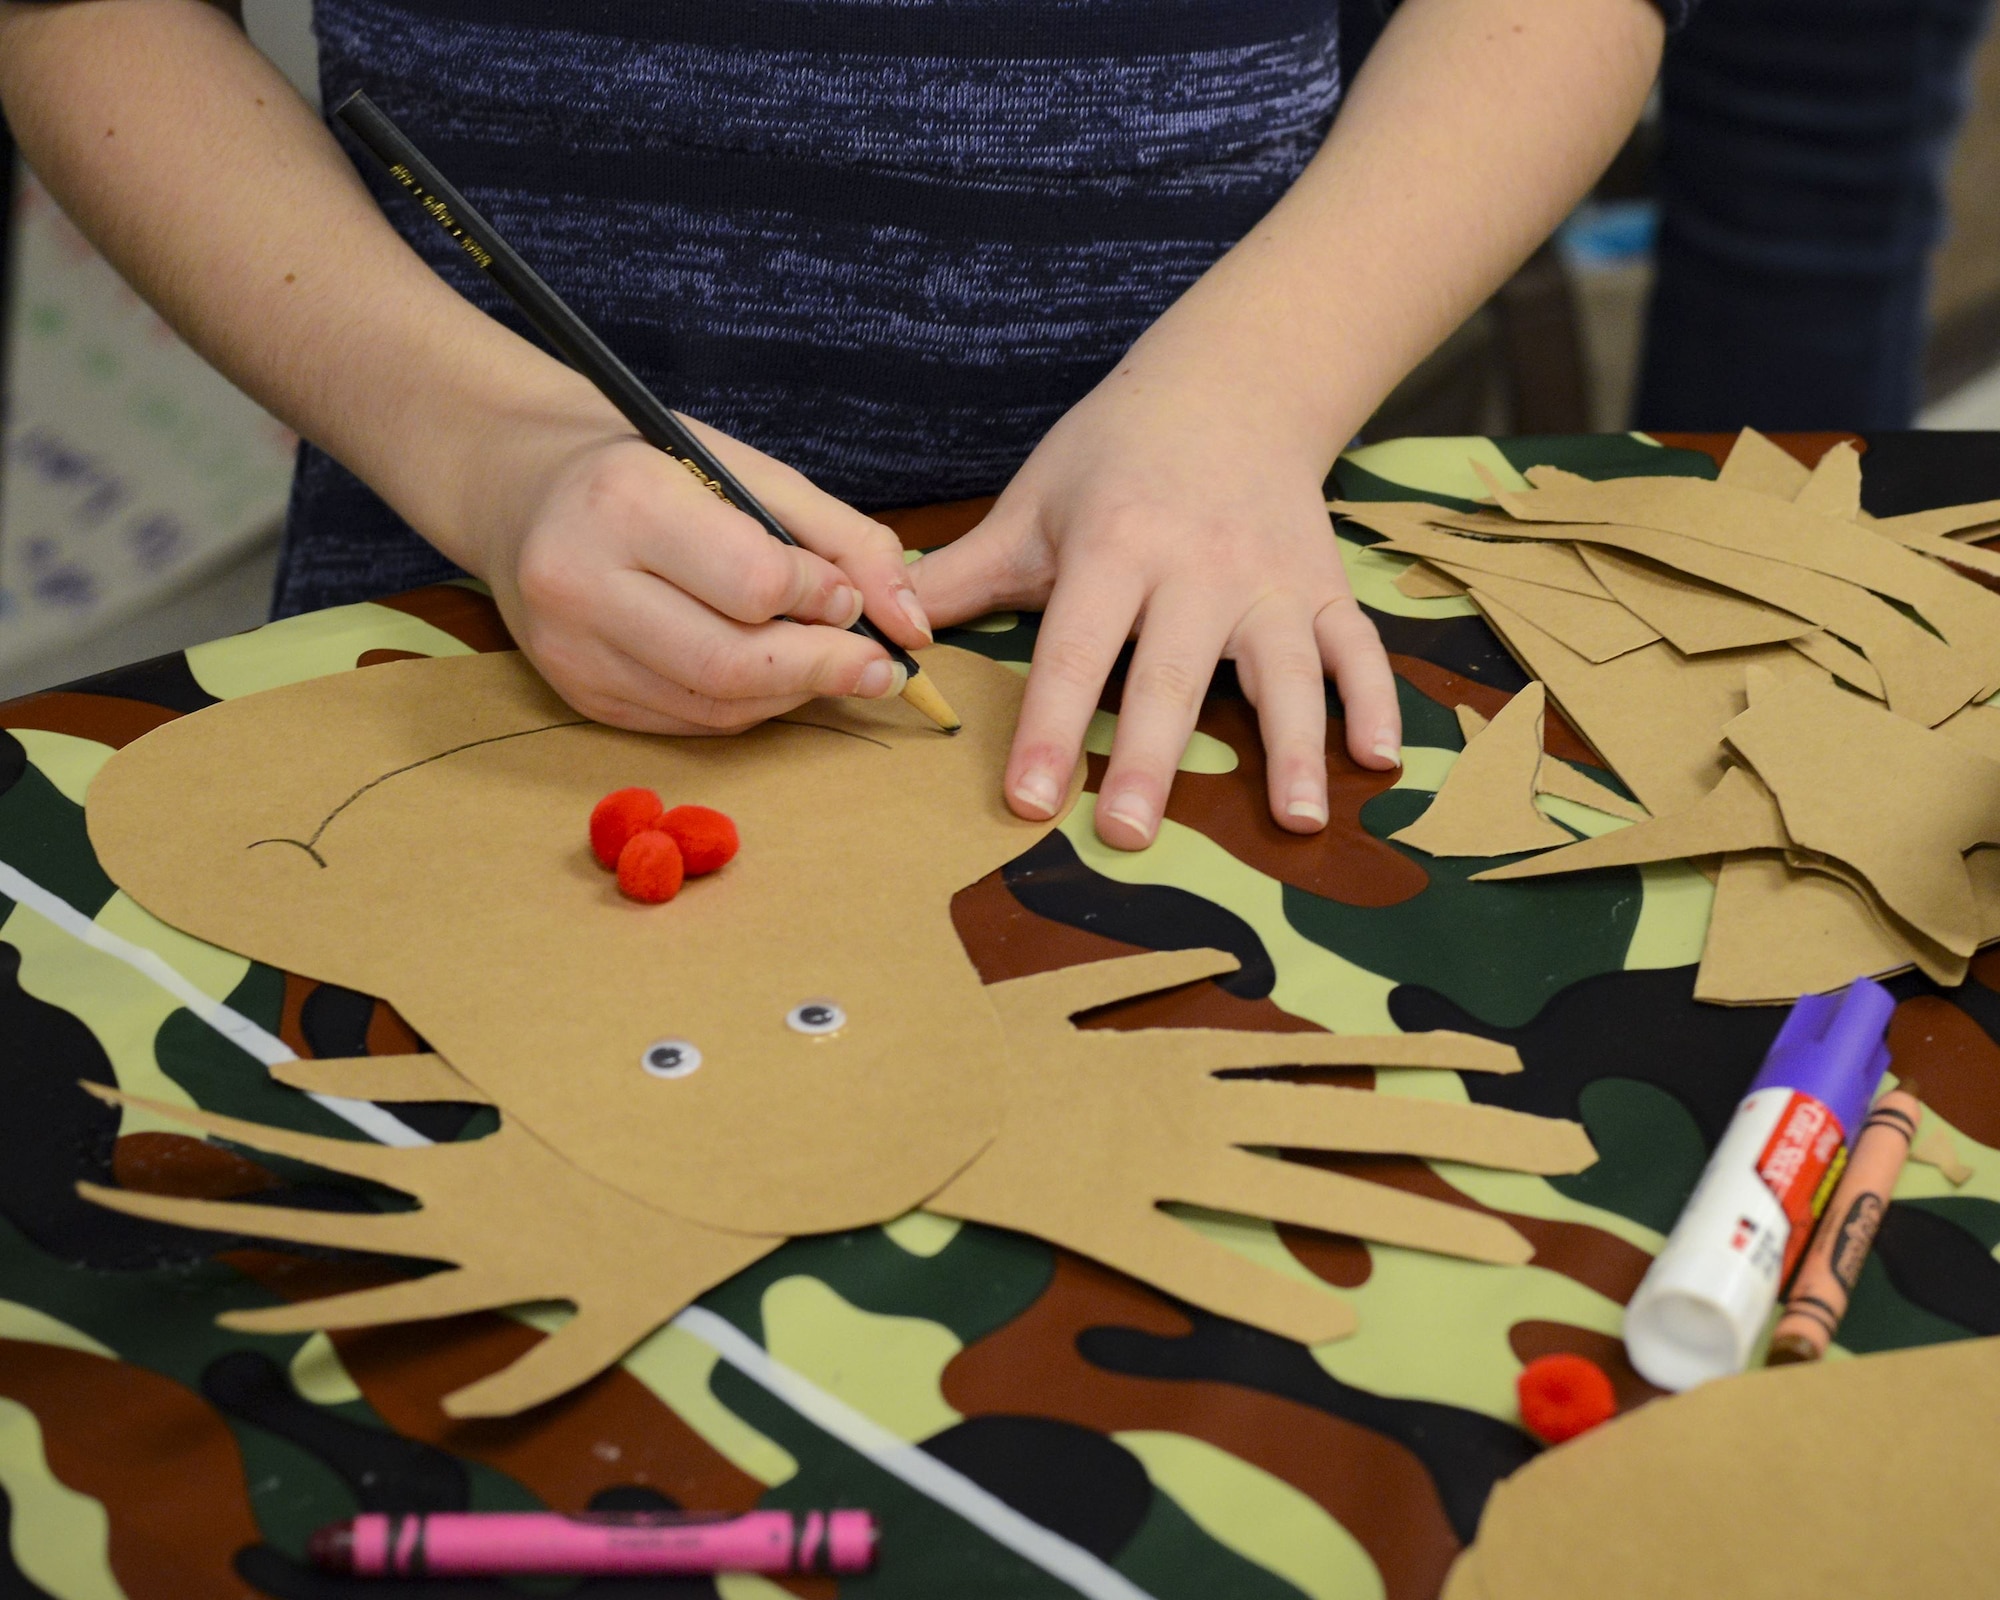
998 565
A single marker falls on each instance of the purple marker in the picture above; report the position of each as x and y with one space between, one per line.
504 1543
1701 1306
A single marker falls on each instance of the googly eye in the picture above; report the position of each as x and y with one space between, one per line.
670 1058
816 1017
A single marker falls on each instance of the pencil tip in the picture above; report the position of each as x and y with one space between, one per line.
920 692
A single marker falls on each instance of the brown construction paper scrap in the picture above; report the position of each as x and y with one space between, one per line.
517 1221
1559 778
1929 957
1420 581
1976 728
1597 630
1133 1119
1486 805
1965 613
1738 814
1758 680
1934 1148
1834 489
1975 521
1777 931
1899 803
1553 566
1693 616
427 843
1394 519
1869 1478
1983 866
1851 667
1756 464
1655 715
1953 552
1923 677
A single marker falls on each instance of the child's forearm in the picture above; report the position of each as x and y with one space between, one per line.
1473 128
212 187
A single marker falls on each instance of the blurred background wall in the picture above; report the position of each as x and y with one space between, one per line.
141 500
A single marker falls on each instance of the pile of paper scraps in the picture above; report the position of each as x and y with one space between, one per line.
1785 683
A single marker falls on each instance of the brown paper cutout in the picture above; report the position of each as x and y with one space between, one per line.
427 844
1953 552
1898 803
1931 680
1143 1118
1834 489
1934 1148
1965 613
1738 814
1777 931
1925 679
1559 778
1865 1477
1597 630
1976 728
1850 667
1693 616
1421 581
518 1222
1756 464
1654 716
1486 805
1553 566
1771 542
518 901
1975 521
1912 947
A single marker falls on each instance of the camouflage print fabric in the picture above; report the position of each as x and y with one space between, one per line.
146 1453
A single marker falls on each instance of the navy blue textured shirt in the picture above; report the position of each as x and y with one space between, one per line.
887 241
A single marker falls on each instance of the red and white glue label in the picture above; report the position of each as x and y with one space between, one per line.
1702 1305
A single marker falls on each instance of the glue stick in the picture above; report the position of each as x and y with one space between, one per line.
1700 1308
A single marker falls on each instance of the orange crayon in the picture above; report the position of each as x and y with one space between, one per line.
1832 1263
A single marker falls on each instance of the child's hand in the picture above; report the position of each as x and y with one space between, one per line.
1183 513
648 603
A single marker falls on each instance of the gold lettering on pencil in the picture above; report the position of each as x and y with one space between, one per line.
441 213
706 481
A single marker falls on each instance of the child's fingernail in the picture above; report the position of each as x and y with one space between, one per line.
1135 811
1307 805
1038 792
880 679
1389 750
914 610
853 604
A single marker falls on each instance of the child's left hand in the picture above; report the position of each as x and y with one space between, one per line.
1168 504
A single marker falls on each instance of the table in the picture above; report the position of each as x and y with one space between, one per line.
145 1451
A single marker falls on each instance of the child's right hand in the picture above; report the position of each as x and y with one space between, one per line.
649 603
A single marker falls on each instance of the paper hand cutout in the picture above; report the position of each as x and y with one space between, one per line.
668 1112
522 1223
1103 1125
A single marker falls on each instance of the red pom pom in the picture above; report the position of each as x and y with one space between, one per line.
649 867
1562 1396
707 838
618 816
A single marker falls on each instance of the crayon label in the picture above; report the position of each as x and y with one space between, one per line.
1856 1236
1799 1164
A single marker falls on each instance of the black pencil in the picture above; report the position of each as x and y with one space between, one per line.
583 350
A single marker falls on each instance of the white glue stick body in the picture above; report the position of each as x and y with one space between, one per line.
1699 1310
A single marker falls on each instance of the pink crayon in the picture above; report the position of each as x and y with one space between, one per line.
505 1543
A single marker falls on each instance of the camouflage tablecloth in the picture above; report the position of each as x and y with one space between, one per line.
146 1453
